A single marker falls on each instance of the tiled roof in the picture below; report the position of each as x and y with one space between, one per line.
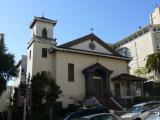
127 77
42 19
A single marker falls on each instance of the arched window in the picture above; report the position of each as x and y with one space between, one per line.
44 33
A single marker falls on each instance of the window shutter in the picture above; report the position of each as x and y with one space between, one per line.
44 52
70 72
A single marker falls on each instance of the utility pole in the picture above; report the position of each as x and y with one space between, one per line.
26 86
25 103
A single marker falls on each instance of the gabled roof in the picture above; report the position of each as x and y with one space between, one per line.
91 37
127 77
95 67
42 19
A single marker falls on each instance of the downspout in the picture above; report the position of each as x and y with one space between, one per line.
136 55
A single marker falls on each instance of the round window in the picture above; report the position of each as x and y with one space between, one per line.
92 45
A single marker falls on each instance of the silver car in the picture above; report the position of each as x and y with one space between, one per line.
154 115
140 111
100 116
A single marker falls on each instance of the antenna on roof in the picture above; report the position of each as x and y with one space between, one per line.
43 14
139 27
157 5
91 29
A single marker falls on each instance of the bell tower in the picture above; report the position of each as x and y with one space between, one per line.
42 27
42 39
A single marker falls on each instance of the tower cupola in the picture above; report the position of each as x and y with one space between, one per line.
42 27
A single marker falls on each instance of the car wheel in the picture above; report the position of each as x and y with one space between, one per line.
138 119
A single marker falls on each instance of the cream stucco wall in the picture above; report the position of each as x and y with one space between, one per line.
140 48
30 60
37 63
38 27
76 89
85 46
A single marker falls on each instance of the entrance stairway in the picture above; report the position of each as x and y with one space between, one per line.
110 103
125 103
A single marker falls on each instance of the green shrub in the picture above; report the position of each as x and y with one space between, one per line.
140 99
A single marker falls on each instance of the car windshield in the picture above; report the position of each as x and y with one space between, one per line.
134 109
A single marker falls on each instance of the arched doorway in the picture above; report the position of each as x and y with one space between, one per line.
97 80
98 77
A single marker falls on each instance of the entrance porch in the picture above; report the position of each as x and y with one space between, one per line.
97 80
127 86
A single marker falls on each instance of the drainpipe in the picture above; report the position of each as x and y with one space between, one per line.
136 54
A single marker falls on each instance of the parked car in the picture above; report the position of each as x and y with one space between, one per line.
100 116
86 112
154 115
140 111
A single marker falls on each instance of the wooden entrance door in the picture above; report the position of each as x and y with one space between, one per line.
97 87
117 89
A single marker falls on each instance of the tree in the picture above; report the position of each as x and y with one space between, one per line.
143 72
153 63
7 65
45 92
17 111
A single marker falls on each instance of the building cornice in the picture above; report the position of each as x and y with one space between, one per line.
132 36
40 39
54 48
43 19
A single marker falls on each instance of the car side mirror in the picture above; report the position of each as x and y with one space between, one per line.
142 111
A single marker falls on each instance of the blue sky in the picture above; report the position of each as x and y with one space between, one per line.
112 20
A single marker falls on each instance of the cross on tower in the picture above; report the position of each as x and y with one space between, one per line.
91 29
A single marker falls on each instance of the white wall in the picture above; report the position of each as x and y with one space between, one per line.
140 48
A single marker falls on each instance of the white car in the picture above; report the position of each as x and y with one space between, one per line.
140 111
100 116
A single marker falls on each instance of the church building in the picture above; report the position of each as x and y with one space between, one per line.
83 67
